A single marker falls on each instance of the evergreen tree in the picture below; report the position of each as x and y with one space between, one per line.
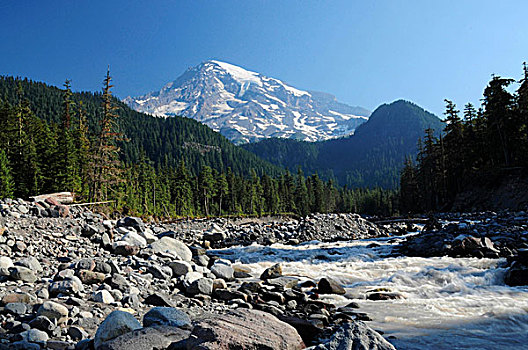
500 121
206 186
181 191
67 178
105 163
222 189
6 180
301 195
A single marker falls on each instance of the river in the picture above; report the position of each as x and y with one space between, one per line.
449 303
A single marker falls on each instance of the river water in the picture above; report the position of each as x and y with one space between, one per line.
450 303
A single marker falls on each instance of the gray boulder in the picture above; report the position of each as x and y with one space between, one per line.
244 329
167 316
114 325
22 273
180 268
355 336
327 285
149 338
53 311
201 286
272 272
5 264
223 270
172 246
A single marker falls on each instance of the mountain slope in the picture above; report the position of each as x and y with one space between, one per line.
162 141
246 106
373 156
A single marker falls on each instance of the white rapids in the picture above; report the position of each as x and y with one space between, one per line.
450 303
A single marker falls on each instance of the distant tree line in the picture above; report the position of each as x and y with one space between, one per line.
84 151
484 142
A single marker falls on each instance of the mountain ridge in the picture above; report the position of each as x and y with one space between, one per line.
246 106
372 157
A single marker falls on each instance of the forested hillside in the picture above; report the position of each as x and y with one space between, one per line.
372 157
162 141
479 148
91 144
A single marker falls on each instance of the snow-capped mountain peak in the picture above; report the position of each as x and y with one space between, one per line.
246 106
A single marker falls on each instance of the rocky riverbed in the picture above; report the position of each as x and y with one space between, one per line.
70 278
73 279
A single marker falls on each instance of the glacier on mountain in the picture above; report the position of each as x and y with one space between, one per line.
247 106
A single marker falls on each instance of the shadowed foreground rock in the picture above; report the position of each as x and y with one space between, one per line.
244 329
355 336
150 338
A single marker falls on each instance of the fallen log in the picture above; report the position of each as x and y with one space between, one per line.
61 197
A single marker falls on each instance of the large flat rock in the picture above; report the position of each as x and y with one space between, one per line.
244 329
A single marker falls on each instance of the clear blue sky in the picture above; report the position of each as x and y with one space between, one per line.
364 52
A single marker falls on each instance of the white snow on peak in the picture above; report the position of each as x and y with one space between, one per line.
247 106
239 74
295 91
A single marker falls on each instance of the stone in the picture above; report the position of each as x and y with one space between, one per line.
60 345
306 329
103 296
149 338
23 345
124 249
91 277
244 329
167 316
131 221
133 238
16 298
148 235
23 274
201 286
376 296
191 277
180 268
89 230
31 263
223 270
283 282
173 246
226 294
53 311
517 274
219 283
63 210
117 281
272 272
43 323
158 299
215 234
35 336
160 272
327 285
77 333
85 264
16 308
68 286
355 336
201 260
5 264
115 324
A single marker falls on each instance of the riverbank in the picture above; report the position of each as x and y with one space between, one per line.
325 279
65 270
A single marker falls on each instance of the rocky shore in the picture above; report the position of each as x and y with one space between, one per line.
72 279
479 235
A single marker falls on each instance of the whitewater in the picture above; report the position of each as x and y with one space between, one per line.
448 303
